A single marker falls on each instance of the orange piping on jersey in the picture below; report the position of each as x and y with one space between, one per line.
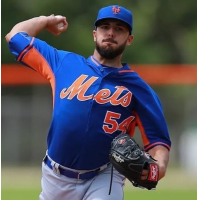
128 70
35 60
141 128
93 60
25 49
157 143
132 128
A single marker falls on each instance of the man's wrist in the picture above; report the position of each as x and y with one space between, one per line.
44 20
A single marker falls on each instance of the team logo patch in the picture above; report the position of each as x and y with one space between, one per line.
78 89
115 10
121 141
153 172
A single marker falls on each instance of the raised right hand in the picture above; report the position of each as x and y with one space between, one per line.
53 22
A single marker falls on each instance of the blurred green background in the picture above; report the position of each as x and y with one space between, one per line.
165 33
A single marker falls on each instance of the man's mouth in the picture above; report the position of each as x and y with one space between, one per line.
110 41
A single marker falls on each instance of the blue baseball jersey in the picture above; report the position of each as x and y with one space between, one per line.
92 104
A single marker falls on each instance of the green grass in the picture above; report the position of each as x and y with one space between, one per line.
23 183
161 195
12 194
133 194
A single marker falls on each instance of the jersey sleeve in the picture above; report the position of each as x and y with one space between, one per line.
36 54
149 117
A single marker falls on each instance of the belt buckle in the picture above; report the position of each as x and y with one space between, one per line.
79 173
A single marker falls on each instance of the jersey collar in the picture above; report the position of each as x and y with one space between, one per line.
97 65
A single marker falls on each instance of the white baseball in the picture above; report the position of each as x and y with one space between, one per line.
61 24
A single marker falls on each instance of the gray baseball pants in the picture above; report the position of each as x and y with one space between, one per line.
56 187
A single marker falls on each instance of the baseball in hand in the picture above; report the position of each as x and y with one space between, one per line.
60 24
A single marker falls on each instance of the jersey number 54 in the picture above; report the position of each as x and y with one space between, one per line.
111 125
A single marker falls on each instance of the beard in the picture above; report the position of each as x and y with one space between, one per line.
108 52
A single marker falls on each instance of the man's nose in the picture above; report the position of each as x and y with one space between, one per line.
111 32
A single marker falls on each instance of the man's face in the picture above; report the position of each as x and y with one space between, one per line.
111 38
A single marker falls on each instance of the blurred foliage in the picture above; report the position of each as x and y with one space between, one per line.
164 31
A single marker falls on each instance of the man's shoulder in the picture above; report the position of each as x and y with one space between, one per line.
133 78
74 56
130 74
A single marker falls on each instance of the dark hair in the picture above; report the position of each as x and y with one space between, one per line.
100 21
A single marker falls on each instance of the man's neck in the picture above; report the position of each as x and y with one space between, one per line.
116 62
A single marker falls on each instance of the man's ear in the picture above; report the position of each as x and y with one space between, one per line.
130 40
94 35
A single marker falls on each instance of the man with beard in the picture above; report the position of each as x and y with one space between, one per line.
94 100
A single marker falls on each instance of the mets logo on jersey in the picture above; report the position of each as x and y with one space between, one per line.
121 96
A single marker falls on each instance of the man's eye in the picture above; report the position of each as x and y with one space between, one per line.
119 29
104 27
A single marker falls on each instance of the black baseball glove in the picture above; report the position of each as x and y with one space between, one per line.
128 159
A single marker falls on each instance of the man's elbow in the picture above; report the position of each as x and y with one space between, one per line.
8 37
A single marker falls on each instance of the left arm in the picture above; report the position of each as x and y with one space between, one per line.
161 154
149 118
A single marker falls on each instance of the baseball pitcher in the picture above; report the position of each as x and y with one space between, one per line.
97 103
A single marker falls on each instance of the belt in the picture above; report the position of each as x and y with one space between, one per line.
58 169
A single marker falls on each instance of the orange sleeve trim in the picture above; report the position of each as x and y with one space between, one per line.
141 128
21 54
157 143
129 70
35 60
